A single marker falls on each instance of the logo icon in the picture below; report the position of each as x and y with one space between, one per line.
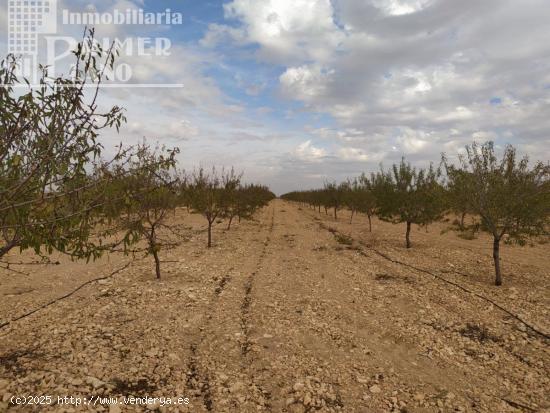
27 19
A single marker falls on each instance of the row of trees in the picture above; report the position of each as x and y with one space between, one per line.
505 197
220 195
59 193
142 195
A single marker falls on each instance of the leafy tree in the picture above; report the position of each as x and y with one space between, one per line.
510 197
140 198
458 199
317 199
210 194
334 197
246 200
49 139
233 201
408 195
350 196
367 203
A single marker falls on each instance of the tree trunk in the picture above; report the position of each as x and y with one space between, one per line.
462 220
496 258
335 214
157 262
7 248
408 235
370 223
351 218
209 234
152 239
230 221
319 208
326 211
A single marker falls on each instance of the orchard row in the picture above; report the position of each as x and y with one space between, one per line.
506 197
58 192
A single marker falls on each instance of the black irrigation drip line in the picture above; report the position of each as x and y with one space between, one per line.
541 333
386 257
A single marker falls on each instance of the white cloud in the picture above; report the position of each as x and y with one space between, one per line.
397 77
401 7
353 154
412 142
217 33
482 136
307 152
460 113
305 82
286 29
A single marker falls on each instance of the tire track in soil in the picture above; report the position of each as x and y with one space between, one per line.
198 378
246 343
293 367
247 300
198 374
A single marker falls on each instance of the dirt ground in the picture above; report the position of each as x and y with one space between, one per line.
291 312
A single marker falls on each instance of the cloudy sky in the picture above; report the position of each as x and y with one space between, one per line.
295 92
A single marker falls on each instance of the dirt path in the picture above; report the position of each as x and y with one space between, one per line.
283 316
315 335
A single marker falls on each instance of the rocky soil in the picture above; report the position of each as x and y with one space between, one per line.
291 312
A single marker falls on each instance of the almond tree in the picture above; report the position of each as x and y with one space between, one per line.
511 198
233 202
49 139
350 196
411 196
140 199
254 197
367 203
457 199
334 197
210 194
246 200
317 199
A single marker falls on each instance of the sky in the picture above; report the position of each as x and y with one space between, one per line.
298 92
